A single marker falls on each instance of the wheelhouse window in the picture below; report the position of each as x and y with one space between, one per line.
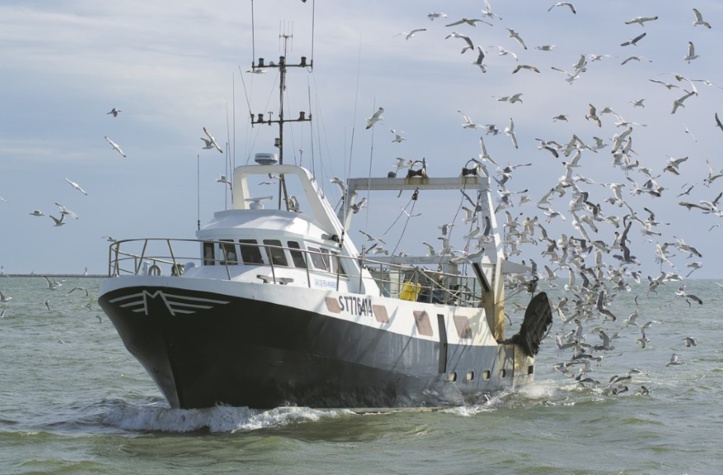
317 259
208 254
327 259
250 252
228 251
297 256
275 253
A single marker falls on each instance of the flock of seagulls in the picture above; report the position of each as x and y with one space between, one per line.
599 252
52 284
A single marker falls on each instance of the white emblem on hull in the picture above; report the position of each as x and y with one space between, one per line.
176 304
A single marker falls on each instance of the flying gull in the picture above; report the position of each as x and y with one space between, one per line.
114 112
563 4
690 56
212 140
641 20
466 39
510 131
634 41
433 15
75 185
376 117
468 21
699 19
409 34
115 146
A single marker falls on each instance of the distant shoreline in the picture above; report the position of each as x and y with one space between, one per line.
79 276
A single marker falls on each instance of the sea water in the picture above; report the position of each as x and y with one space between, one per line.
73 400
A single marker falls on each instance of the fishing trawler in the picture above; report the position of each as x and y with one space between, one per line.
273 303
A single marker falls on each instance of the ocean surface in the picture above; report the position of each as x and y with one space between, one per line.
74 401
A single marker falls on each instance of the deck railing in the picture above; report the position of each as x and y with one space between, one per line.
161 256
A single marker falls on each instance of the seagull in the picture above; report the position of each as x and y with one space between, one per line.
36 212
52 283
466 39
408 35
635 58
718 122
468 124
634 41
433 15
691 53
592 115
517 97
372 238
4 298
525 66
480 58
674 361
488 11
115 146
504 52
563 4
699 19
115 111
58 222
484 155
212 140
679 101
515 36
207 144
398 137
468 21
668 85
510 131
376 117
689 341
82 289
673 164
641 20
75 185
223 179
66 211
688 297
356 207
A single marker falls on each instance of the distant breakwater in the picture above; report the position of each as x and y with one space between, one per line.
65 276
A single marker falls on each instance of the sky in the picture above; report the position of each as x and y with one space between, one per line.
174 67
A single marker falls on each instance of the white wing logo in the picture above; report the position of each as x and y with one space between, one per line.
175 304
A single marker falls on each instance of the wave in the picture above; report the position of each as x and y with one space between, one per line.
219 419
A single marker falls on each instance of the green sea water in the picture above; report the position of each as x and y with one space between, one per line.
74 401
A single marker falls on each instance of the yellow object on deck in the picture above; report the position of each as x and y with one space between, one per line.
410 291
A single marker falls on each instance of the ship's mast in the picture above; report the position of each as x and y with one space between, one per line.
282 65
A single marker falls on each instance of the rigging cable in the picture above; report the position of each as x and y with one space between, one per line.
413 201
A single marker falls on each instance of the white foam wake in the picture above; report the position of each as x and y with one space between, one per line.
216 419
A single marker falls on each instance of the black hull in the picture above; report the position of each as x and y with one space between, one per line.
252 353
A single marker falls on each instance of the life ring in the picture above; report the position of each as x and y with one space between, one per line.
154 270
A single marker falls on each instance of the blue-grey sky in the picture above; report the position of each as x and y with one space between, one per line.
174 67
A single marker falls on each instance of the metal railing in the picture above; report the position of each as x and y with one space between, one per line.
156 255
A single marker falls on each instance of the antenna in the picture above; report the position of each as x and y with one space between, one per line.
282 65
